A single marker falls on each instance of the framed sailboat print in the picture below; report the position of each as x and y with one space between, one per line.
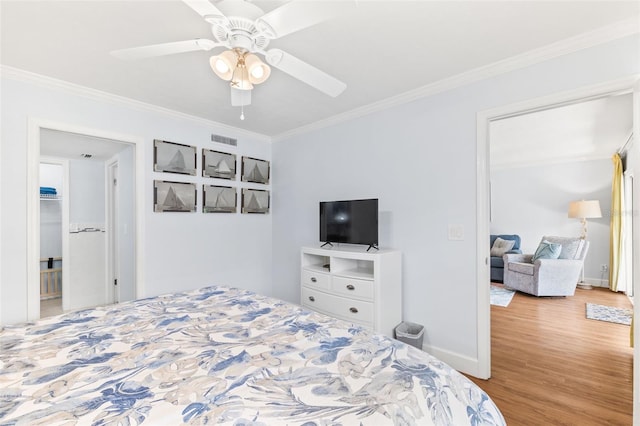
219 199
216 164
171 157
254 170
255 201
174 196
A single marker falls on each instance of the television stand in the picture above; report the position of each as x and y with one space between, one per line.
326 244
362 288
372 246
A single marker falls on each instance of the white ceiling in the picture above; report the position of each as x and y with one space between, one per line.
72 146
382 49
588 130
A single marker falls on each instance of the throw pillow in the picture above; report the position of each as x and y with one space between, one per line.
547 250
501 246
570 250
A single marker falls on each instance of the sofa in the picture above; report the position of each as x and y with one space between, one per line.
497 262
555 276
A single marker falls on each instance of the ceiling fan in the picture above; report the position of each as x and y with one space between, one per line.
244 29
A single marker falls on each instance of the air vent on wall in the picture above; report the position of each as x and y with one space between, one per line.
223 139
86 155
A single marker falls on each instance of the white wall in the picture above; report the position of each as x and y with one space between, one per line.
419 159
86 192
533 202
181 250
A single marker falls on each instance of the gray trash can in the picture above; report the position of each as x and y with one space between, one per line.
410 333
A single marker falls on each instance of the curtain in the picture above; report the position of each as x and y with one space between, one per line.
615 240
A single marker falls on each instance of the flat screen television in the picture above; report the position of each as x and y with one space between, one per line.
349 221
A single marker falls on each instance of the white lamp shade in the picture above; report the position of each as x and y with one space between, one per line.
258 70
224 64
584 209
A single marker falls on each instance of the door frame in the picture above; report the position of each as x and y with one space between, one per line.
628 178
620 86
112 206
34 127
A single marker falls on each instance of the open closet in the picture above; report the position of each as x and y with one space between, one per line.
51 261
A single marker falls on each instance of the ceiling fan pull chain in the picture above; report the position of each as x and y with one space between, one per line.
241 112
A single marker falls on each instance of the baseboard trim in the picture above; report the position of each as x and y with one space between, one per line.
596 282
462 363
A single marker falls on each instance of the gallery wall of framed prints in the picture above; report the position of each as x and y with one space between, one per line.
217 164
172 157
219 199
174 196
223 189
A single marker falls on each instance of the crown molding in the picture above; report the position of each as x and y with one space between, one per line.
21 75
586 40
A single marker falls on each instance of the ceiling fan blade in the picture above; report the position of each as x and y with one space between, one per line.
164 49
296 15
305 72
205 9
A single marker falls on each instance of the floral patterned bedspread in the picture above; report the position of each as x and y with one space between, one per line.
223 356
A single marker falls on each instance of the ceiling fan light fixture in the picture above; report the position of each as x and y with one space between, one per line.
221 67
224 64
240 97
259 72
242 28
240 78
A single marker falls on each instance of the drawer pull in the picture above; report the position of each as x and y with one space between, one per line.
313 279
313 299
350 287
353 310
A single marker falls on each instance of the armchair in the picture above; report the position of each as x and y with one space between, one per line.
547 277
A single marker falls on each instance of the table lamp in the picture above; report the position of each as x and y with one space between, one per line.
584 210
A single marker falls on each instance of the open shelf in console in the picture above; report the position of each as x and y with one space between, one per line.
315 262
352 268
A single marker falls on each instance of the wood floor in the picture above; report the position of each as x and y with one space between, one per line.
50 307
552 366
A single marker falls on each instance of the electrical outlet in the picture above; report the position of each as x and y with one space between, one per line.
604 267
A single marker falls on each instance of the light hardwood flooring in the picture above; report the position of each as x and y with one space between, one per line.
552 366
50 307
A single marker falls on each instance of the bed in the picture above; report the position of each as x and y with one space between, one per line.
220 355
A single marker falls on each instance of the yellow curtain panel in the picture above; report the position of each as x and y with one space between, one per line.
615 240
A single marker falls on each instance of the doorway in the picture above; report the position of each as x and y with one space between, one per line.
91 206
628 85
542 161
90 154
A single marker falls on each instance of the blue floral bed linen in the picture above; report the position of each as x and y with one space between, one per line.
224 356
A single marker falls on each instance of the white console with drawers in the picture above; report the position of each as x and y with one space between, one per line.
354 285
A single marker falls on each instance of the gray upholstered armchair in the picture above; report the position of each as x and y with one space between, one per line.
547 277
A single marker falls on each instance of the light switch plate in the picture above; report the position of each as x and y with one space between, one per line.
456 232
